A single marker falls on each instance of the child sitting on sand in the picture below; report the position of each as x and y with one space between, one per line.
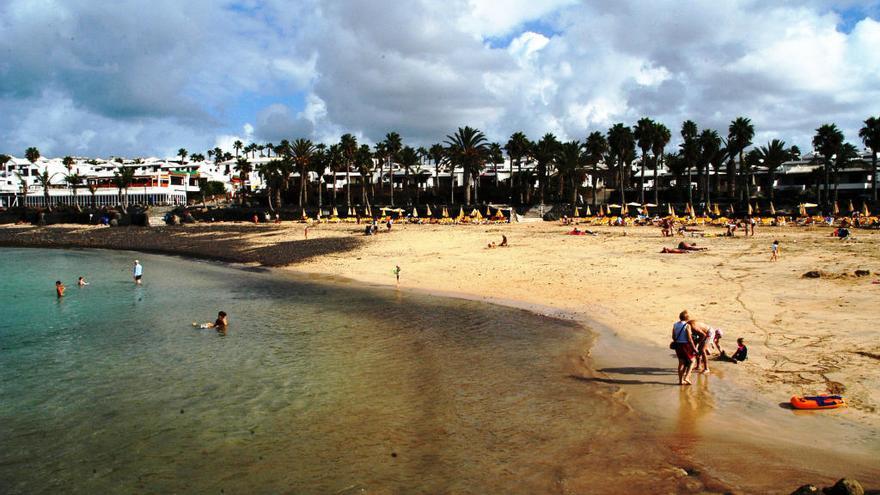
741 354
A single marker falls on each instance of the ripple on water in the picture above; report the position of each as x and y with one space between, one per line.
314 389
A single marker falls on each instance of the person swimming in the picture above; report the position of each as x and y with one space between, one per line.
59 288
220 324
81 282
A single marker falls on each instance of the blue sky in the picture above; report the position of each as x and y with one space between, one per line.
98 79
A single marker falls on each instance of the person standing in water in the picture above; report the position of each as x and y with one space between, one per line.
397 274
685 350
59 289
137 272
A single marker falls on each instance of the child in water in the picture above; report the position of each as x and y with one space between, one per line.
59 288
219 324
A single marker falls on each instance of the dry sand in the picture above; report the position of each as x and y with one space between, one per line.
805 335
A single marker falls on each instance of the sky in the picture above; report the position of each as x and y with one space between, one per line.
138 78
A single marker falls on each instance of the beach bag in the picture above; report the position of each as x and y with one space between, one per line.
672 345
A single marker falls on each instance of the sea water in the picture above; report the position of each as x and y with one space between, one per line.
315 388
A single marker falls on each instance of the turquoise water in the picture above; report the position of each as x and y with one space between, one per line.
316 388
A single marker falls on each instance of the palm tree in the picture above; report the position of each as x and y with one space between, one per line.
517 148
320 159
662 136
269 149
544 152
774 154
45 181
182 153
870 134
393 145
23 185
496 156
467 148
437 155
690 151
73 181
243 167
846 154
596 147
4 159
32 154
122 179
68 163
739 137
570 160
710 156
621 144
93 189
303 151
348 145
237 146
380 153
644 135
271 173
408 160
334 163
827 142
363 161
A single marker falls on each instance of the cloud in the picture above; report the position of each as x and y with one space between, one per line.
118 78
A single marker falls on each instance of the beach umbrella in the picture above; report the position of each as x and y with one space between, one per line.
772 209
671 210
589 214
488 213
691 208
460 212
304 216
851 209
836 209
810 205
577 213
650 205
750 210
865 210
730 208
445 213
717 210
428 213
415 212
335 213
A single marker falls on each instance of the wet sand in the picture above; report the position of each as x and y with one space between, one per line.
804 335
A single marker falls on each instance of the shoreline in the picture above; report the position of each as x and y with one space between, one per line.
603 336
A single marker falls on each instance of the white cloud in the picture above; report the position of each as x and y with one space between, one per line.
85 77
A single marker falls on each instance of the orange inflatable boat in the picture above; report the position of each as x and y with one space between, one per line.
817 402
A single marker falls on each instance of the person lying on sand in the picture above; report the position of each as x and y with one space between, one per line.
691 247
667 250
576 231
492 245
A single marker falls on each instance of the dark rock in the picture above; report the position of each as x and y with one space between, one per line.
845 486
806 490
812 274
862 273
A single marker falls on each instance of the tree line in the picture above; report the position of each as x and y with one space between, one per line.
559 168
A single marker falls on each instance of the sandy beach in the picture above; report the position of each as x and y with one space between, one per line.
805 335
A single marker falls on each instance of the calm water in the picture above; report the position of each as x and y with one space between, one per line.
316 388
